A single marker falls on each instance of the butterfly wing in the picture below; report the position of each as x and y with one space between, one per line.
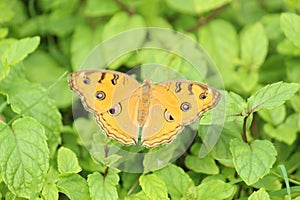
176 104
106 94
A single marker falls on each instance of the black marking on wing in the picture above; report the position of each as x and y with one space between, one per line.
178 87
190 88
114 80
102 77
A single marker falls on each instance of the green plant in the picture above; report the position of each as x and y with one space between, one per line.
256 47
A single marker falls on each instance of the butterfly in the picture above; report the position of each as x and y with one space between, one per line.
123 107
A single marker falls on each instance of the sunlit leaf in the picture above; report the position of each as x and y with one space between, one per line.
24 159
252 161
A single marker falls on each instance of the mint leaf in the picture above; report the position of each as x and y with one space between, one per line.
4 70
178 188
16 88
96 9
253 53
205 165
24 159
138 196
74 186
219 36
67 161
214 189
196 7
6 13
50 191
260 194
275 116
290 24
252 161
121 21
272 95
293 69
3 32
235 105
84 39
285 132
47 75
154 187
103 187
20 49
287 47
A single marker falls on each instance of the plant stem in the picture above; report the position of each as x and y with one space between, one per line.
244 135
124 7
201 21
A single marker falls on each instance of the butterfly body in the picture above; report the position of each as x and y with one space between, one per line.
122 106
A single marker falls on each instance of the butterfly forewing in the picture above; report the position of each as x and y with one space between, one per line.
106 94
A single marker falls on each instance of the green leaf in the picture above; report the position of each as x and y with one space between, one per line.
293 70
252 161
235 105
177 189
205 165
272 25
24 159
260 194
285 132
219 36
272 95
286 47
19 50
43 109
290 24
295 101
254 46
121 22
95 9
275 116
6 13
196 7
269 182
138 196
47 75
84 39
67 161
214 189
221 152
3 32
154 187
4 70
103 187
50 191
74 186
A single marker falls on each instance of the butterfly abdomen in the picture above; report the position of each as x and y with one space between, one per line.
144 102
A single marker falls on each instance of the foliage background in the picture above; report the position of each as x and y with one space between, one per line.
255 44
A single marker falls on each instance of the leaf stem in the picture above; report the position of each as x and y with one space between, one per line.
105 172
133 187
123 7
201 21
